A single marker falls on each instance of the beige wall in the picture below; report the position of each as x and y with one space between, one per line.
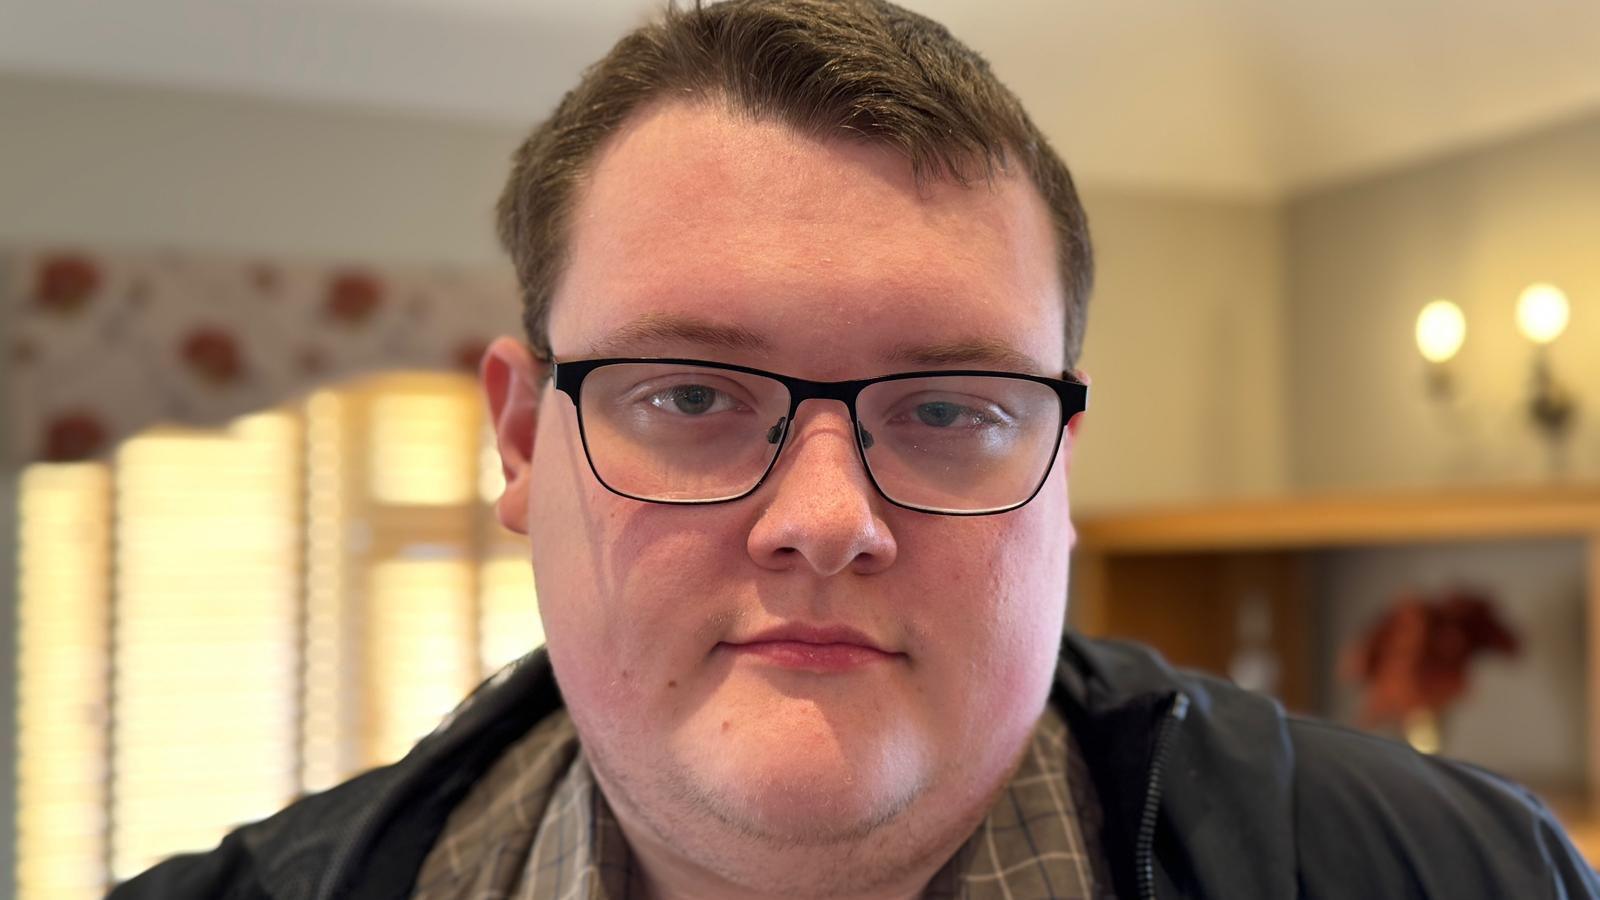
1475 227
141 168
1184 329
1184 349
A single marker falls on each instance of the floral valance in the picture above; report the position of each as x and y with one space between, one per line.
102 345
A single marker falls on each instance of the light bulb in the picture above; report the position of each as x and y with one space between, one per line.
1441 329
1542 313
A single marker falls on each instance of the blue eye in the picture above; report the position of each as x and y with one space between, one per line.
938 415
692 399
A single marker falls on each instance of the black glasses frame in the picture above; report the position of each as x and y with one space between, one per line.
569 377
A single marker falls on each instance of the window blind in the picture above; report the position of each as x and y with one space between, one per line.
215 620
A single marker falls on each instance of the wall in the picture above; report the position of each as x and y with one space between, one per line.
1184 350
127 167
1475 227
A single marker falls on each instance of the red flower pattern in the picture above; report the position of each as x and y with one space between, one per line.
469 353
64 284
231 319
213 354
73 436
353 297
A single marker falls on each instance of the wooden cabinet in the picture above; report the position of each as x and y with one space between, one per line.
1175 579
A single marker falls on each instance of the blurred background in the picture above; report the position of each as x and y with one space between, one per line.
247 266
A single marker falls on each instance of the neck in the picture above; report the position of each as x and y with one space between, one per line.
708 860
875 868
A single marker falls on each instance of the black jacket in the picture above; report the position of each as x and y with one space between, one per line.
1208 791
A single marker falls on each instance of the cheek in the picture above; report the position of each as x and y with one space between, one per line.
571 521
631 594
1008 572
992 607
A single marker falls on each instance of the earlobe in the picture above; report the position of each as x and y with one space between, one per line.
1073 424
511 383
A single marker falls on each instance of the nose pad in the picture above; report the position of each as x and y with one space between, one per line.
775 433
820 512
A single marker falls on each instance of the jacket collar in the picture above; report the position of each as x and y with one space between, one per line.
1225 824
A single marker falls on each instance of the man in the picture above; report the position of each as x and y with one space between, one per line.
790 438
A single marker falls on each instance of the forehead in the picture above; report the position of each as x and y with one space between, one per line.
829 251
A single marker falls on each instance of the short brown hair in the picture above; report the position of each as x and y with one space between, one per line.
862 69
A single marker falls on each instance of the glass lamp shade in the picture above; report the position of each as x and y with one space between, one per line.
1441 329
1542 313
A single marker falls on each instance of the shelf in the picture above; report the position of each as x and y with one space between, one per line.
1350 520
1174 578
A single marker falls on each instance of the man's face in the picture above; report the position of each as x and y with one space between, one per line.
832 264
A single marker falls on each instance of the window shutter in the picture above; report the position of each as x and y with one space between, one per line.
219 619
204 635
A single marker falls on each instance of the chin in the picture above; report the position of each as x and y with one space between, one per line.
809 786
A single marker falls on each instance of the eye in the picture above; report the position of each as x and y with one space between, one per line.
690 400
950 414
941 414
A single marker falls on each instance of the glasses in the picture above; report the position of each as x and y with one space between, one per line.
691 432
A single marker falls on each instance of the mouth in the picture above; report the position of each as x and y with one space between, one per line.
822 650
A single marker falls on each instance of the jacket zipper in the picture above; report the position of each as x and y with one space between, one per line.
1144 852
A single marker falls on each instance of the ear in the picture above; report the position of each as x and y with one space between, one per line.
512 380
1074 423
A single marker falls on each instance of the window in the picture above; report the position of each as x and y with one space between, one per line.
214 621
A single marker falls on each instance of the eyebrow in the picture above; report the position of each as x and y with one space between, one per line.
658 327
653 327
983 352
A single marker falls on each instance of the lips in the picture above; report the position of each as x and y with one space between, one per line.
819 649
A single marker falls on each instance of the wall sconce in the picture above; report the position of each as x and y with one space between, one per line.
1542 313
1441 329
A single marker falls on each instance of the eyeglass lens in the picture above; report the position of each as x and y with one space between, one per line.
959 443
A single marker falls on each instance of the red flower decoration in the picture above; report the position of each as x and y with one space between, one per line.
353 297
469 353
213 354
64 284
1415 656
73 436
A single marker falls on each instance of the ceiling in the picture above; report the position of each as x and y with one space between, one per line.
1253 98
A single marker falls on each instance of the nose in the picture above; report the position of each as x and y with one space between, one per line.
821 510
